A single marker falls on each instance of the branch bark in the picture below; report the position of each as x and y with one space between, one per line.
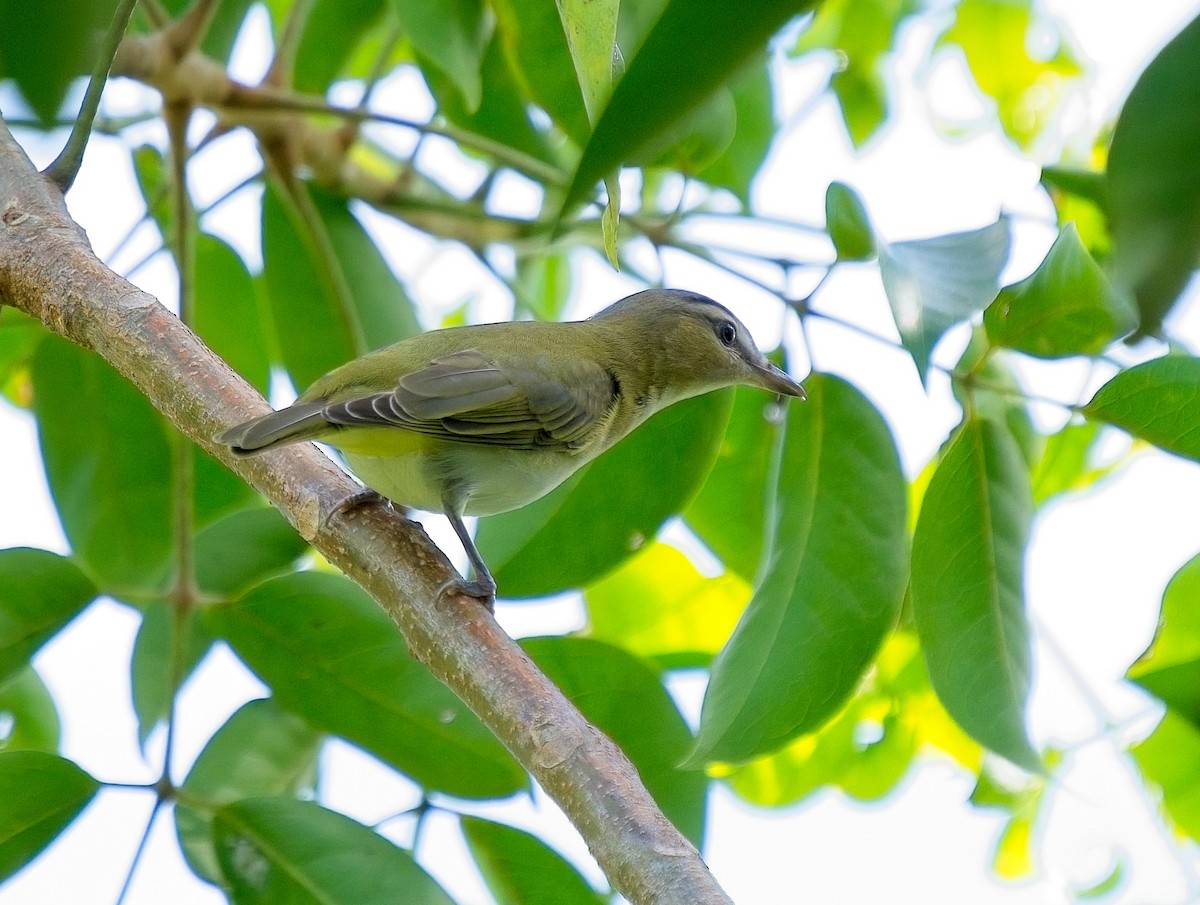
48 270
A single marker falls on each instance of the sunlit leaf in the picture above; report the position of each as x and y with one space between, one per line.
847 223
40 592
1158 402
1067 462
20 336
820 612
28 716
1170 669
1168 760
40 794
968 587
521 869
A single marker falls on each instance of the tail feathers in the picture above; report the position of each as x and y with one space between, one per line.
303 421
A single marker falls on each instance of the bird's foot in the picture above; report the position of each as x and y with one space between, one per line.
364 496
483 591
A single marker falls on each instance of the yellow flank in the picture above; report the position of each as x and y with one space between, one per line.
377 441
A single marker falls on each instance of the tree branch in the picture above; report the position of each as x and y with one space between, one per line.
48 270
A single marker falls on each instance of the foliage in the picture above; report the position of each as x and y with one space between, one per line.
849 596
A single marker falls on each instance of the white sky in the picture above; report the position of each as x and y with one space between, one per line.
1096 568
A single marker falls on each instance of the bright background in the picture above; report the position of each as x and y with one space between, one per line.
1096 568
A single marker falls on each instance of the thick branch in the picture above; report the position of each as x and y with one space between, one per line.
48 270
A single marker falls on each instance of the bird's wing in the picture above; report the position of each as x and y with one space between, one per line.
469 397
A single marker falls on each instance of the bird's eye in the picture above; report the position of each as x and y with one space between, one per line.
726 332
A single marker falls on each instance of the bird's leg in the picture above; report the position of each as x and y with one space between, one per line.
483 587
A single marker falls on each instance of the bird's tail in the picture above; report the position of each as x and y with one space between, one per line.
303 421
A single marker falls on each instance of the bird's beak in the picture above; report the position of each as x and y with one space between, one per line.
774 380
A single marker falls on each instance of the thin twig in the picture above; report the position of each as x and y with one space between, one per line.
65 168
139 852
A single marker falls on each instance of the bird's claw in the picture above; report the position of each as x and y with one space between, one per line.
484 592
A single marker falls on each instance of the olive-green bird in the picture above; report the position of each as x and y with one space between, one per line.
482 419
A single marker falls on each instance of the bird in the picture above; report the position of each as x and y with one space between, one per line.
482 419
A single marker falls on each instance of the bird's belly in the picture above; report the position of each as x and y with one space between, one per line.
490 479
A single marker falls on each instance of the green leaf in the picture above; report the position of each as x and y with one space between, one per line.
1170 669
833 583
656 605
331 656
452 34
275 850
108 463
933 284
150 666
848 225
261 750
1066 464
537 550
753 97
995 36
226 22
332 295
521 869
1158 402
243 548
1065 307
968 587
1168 759
332 31
20 336
40 794
28 717
730 512
623 697
591 30
862 33
985 385
669 77
40 592
226 311
1154 180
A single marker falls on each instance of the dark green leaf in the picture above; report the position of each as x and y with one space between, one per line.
218 491
150 666
226 311
40 592
223 30
332 31
1168 759
332 295
521 869
150 168
260 751
244 548
333 657
833 583
1086 184
730 512
1065 307
452 34
277 850
754 117
669 77
623 497
933 284
1154 180
43 47
40 794
28 717
624 698
696 140
108 462
1158 402
968 587
847 223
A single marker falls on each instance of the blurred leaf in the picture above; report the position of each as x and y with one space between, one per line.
1080 197
862 33
833 583
623 497
1065 307
331 292
277 850
226 22
452 34
40 794
985 385
968 587
847 223
668 78
261 750
1158 401
1168 759
40 592
996 37
150 666
656 605
531 36
753 97
1154 180
543 285
624 698
1107 884
43 47
1015 852
244 548
226 311
1170 669
20 336
332 30
730 512
521 869
28 717
108 464
1066 463
933 284
591 30
331 656
1086 184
